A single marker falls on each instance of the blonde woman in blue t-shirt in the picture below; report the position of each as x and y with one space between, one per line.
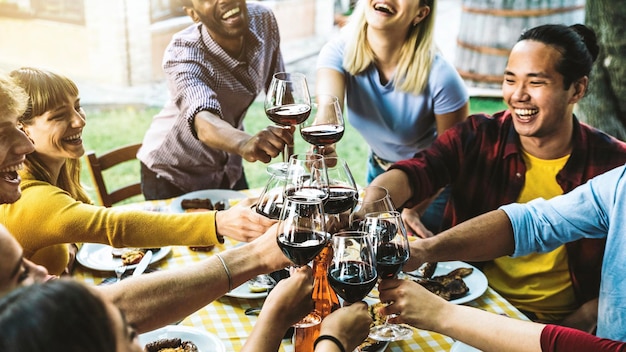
399 94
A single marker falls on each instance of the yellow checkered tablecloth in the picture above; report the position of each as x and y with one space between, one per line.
225 317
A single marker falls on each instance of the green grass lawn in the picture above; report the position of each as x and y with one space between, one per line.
104 131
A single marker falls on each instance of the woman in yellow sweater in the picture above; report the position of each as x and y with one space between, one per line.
54 210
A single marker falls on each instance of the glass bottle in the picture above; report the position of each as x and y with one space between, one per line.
326 301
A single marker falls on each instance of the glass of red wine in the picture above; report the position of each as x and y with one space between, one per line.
352 272
342 189
391 248
287 104
301 234
325 125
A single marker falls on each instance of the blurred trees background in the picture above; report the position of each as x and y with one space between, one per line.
604 106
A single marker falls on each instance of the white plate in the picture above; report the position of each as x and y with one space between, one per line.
459 346
98 257
215 195
244 292
476 281
206 342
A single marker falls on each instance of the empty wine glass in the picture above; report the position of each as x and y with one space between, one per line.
301 234
306 176
352 272
370 199
270 203
391 247
325 125
287 103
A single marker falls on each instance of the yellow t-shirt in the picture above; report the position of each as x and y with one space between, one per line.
539 283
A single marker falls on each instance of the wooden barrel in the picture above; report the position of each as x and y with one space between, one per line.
489 29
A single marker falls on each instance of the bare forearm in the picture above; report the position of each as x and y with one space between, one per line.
484 237
397 184
488 331
160 298
219 134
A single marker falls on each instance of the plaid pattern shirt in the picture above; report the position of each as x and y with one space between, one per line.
203 77
481 159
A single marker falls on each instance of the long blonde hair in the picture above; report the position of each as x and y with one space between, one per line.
46 91
416 55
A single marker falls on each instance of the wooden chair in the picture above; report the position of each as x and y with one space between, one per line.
111 158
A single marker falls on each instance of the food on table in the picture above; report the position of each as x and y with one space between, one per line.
256 288
201 204
450 286
131 256
171 345
428 269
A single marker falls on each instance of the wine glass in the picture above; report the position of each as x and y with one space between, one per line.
307 176
287 104
270 203
325 125
391 247
342 190
370 199
301 234
352 272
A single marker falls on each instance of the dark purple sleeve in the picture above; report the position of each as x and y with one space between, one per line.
559 338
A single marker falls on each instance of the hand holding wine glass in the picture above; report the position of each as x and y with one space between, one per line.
392 251
325 125
301 235
288 103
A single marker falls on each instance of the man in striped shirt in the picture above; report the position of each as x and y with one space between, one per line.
215 69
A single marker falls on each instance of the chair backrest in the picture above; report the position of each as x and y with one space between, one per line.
109 159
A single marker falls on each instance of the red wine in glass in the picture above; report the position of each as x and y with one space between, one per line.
389 259
301 246
325 125
289 115
321 135
340 199
352 280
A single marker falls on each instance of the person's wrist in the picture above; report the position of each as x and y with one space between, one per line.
328 341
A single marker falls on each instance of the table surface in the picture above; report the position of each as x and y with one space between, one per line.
225 317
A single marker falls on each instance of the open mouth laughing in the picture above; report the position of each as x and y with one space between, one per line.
384 8
526 114
9 173
234 12
74 139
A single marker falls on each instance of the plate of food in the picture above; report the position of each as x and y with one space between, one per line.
102 257
455 281
211 199
184 338
248 290
459 346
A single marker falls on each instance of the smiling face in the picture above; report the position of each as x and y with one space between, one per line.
396 15
224 19
14 145
532 88
57 133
